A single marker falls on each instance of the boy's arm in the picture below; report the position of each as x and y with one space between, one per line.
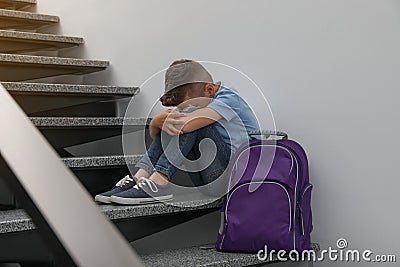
158 123
154 130
199 119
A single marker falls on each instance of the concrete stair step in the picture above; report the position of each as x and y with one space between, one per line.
16 4
63 132
201 256
19 42
15 68
59 100
12 221
86 122
99 162
100 173
96 173
68 89
21 242
21 20
207 256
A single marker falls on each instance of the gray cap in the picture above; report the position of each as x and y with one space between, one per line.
184 73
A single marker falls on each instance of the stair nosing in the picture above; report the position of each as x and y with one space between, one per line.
101 161
24 1
20 221
195 254
207 256
21 87
17 14
57 61
87 121
17 4
41 37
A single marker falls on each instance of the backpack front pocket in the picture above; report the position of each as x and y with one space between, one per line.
259 218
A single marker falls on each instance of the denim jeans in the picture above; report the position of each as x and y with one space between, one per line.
159 159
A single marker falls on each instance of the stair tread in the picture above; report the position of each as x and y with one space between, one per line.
87 121
14 14
18 220
207 256
40 37
17 87
33 2
14 68
17 41
19 1
45 60
17 4
201 256
101 161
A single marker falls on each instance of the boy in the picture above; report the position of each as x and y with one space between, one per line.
205 110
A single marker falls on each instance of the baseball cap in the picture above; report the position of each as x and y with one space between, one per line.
185 73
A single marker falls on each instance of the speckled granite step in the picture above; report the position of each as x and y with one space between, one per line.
18 42
16 4
205 256
68 89
15 68
64 132
17 220
201 256
101 161
69 100
87 122
15 20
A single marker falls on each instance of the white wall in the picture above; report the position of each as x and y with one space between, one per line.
330 70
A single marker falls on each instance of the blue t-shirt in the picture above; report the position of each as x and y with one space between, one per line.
237 117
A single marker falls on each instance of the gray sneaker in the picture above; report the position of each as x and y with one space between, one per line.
145 191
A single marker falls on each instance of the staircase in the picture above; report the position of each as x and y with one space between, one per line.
73 114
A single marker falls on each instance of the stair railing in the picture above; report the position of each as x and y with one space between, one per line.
64 213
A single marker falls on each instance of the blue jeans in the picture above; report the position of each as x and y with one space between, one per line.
159 159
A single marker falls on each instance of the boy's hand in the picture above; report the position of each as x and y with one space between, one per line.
169 122
172 124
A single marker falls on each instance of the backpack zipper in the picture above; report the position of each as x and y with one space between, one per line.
300 211
248 148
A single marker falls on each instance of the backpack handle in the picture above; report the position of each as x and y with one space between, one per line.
268 133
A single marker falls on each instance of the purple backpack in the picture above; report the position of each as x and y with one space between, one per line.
268 202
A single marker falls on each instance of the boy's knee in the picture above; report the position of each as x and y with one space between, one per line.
208 128
201 131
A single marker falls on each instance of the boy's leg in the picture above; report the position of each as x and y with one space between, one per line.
147 162
156 187
189 146
196 178
216 169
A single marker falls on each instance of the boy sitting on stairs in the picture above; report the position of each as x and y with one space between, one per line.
205 110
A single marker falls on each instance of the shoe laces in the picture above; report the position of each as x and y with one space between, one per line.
143 182
126 180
